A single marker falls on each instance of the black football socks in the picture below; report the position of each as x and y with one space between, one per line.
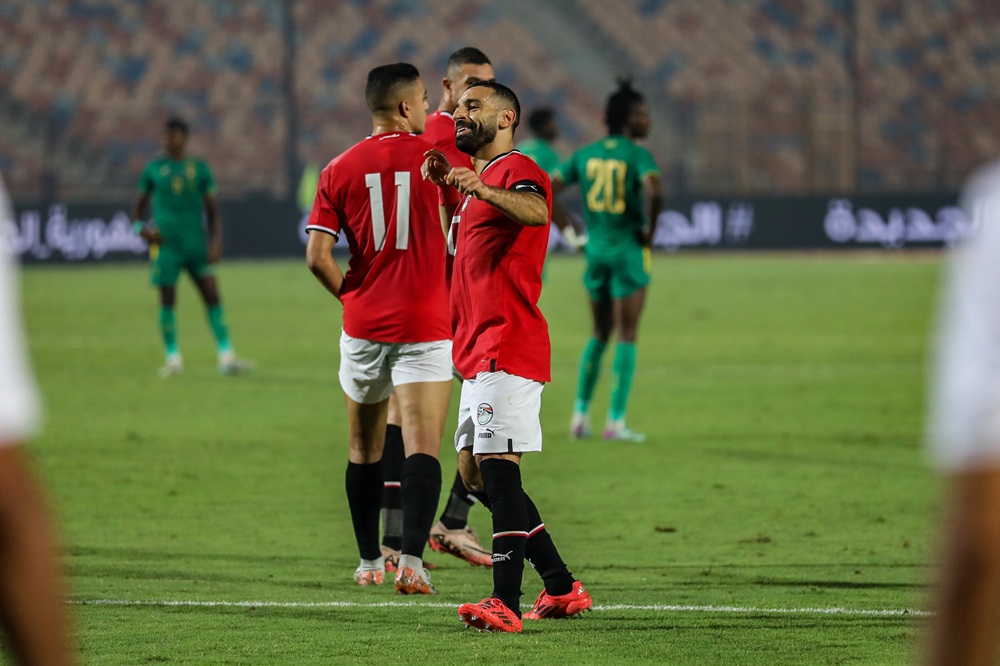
502 479
421 487
393 456
364 493
543 556
456 511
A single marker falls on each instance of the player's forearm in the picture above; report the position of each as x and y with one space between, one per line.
655 206
327 272
446 212
525 208
212 218
139 206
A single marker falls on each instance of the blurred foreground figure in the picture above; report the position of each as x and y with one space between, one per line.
964 438
31 595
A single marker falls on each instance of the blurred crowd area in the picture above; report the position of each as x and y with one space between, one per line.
748 96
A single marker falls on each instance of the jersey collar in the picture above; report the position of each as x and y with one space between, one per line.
499 157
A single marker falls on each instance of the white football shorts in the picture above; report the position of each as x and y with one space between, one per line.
499 413
369 370
964 424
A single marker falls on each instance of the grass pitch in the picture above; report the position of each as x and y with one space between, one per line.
781 511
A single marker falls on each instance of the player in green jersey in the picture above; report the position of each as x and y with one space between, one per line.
620 184
182 189
542 122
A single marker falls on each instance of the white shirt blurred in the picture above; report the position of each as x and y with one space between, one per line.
20 408
964 427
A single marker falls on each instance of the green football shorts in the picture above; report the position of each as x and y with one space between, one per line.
167 262
617 273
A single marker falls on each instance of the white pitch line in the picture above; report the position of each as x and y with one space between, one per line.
740 610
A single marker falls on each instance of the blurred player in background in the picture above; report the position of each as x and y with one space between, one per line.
181 189
615 176
32 602
396 333
964 436
451 533
540 147
500 231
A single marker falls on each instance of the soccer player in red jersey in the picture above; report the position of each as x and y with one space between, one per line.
396 333
465 67
501 347
451 533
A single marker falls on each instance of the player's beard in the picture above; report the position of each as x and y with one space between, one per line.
476 138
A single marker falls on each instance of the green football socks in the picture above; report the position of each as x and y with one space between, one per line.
217 320
622 373
168 330
590 370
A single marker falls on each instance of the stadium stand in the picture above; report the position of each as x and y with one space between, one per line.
762 90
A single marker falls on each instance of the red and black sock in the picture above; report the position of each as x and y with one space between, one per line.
393 456
542 554
456 511
421 487
364 493
502 479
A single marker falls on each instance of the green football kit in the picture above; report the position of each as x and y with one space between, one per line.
178 188
610 174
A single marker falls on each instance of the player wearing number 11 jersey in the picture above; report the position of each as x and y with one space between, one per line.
396 332
615 175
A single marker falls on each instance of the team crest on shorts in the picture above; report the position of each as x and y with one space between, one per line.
484 413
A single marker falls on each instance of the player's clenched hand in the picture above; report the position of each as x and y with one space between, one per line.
151 233
435 167
466 181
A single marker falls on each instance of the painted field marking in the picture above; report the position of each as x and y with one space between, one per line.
662 608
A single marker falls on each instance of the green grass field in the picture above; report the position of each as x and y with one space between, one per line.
781 511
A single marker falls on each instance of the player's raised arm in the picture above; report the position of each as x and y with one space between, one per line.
435 169
524 202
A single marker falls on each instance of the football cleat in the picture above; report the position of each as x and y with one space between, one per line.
572 603
173 366
230 365
617 431
391 557
462 543
490 615
409 581
366 577
579 426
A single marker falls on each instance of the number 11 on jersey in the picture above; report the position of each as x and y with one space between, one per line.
374 183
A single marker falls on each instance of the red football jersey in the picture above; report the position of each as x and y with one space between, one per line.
498 278
394 289
440 133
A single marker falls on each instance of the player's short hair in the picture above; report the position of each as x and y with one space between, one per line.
468 55
620 105
176 124
539 118
505 94
382 89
